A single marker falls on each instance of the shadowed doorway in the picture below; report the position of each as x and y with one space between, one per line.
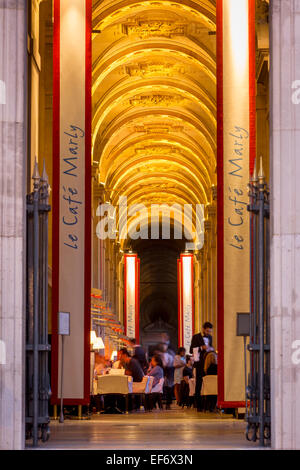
158 290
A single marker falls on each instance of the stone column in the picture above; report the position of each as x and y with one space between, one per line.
201 287
204 289
12 222
208 231
213 267
197 291
213 215
95 240
285 223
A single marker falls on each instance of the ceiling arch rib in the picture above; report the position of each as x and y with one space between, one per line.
154 91
107 13
114 180
139 116
150 125
148 144
128 51
180 114
179 180
143 144
171 185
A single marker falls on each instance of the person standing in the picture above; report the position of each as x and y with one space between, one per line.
179 364
201 343
187 374
139 354
168 362
167 357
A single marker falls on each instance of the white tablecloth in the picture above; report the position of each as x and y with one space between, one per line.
110 384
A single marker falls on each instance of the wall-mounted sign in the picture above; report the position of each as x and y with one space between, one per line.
64 323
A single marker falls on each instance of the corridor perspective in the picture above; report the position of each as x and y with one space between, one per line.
144 118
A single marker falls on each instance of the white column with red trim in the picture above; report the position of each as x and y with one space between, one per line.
236 149
186 320
131 295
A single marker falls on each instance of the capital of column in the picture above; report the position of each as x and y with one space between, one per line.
212 211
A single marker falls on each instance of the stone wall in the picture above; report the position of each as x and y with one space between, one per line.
285 210
12 221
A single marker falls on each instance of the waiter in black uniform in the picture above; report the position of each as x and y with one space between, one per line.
201 343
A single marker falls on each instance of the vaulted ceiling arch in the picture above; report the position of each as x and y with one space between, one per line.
154 102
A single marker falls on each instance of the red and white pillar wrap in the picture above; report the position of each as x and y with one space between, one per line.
236 155
186 317
72 196
132 296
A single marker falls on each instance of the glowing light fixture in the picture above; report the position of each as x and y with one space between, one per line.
98 344
93 337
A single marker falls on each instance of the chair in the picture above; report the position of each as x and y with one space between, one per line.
143 388
147 396
115 385
209 391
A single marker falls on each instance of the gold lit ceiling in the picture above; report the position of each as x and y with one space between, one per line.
154 100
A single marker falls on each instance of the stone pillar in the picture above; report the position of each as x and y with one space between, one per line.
121 290
285 223
212 211
205 309
197 291
213 215
208 232
12 222
95 240
201 289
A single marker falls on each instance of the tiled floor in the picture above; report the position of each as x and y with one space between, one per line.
174 429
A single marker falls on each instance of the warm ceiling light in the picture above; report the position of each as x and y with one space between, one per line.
114 354
98 344
93 337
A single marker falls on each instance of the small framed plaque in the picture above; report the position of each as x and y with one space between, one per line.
243 324
64 323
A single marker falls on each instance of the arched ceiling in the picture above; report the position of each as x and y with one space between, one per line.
154 100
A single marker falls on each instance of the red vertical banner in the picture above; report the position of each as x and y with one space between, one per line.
72 65
179 302
236 144
186 312
132 295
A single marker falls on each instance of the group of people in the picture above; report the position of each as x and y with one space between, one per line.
174 369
